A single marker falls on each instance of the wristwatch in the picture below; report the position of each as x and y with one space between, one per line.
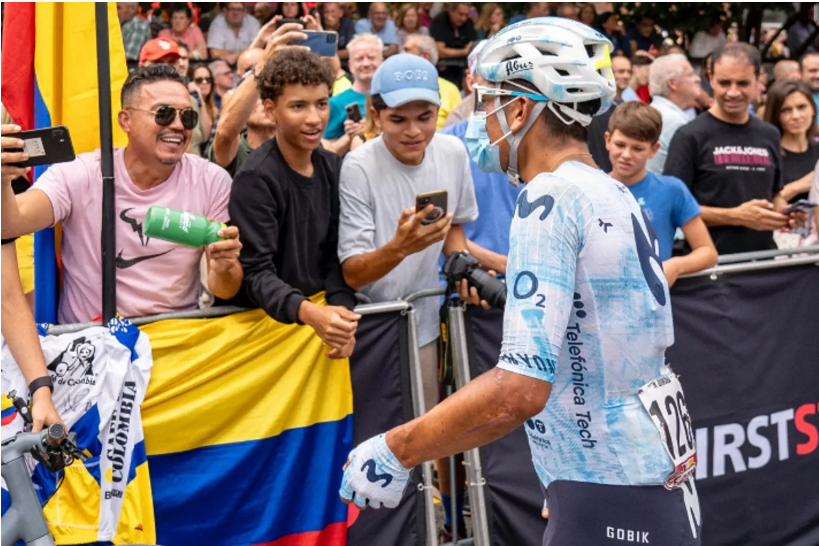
250 72
40 382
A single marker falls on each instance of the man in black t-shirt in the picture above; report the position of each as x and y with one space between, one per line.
455 35
286 197
731 161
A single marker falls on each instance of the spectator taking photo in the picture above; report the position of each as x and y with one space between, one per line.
153 276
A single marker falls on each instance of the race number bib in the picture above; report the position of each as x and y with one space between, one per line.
664 401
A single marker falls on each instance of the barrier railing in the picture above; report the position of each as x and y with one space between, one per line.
477 483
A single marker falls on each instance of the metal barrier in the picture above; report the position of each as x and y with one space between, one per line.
472 458
740 263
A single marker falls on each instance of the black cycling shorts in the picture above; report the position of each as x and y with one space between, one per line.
588 514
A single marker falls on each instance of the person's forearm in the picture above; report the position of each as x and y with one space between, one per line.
779 202
450 52
343 54
18 325
697 260
455 240
717 216
364 269
11 213
232 120
225 285
489 260
488 408
339 146
224 55
802 185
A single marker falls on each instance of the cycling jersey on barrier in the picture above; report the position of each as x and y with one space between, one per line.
100 377
588 311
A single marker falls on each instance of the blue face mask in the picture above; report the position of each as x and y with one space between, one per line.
484 153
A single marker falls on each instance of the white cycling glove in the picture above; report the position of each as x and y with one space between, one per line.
374 475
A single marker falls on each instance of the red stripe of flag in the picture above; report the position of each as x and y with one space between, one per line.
18 62
334 534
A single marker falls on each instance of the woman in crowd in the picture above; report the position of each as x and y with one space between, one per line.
587 14
790 108
290 10
370 129
408 22
424 13
201 81
183 31
490 21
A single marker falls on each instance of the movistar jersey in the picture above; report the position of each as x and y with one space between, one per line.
588 311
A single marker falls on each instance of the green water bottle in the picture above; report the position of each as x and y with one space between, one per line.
181 227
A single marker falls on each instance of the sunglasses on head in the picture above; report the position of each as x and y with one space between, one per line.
165 115
203 80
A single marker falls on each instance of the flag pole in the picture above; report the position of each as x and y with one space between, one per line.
109 272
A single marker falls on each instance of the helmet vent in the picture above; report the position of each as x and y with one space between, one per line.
562 72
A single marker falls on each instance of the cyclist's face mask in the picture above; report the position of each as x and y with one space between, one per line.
482 151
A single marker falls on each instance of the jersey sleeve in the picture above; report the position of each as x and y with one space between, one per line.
545 241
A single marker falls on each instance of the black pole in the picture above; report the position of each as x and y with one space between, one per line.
109 241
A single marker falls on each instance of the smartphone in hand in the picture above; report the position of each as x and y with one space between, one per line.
438 199
323 43
44 146
353 112
803 205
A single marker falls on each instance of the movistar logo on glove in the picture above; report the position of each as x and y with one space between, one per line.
374 476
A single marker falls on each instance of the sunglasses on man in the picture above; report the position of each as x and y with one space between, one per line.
165 115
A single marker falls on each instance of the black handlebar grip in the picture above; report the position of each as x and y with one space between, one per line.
55 434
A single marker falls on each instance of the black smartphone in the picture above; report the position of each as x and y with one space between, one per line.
44 146
323 43
284 21
803 205
353 112
437 199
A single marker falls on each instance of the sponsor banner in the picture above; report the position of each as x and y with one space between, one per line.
747 353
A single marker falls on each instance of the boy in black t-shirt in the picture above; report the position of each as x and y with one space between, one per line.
731 161
286 197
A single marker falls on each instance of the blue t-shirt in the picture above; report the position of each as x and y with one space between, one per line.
496 202
335 125
388 34
668 204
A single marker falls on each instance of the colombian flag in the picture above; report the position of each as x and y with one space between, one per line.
247 427
49 77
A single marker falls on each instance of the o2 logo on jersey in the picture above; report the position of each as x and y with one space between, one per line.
648 250
536 424
526 207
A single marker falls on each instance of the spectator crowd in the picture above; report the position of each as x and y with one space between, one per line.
315 162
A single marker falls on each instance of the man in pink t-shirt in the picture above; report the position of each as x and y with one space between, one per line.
153 276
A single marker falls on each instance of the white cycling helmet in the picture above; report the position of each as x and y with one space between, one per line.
566 61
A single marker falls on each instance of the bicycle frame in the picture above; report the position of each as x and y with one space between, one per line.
24 519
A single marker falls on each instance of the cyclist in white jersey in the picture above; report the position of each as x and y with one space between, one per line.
587 319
